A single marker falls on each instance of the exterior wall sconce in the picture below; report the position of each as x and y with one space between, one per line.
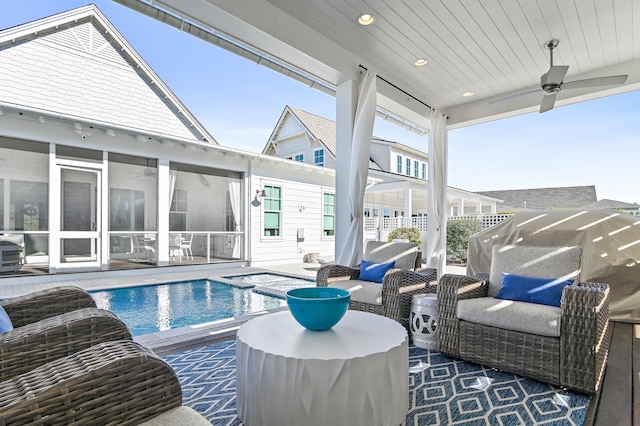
300 208
259 194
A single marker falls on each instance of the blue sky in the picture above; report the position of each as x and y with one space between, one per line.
591 143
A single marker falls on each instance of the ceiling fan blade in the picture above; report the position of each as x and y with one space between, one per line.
548 101
556 73
517 95
597 81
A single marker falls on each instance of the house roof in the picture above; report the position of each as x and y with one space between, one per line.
76 66
610 204
545 198
324 131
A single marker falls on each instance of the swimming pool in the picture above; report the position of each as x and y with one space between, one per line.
151 308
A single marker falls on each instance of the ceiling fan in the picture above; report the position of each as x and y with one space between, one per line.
552 82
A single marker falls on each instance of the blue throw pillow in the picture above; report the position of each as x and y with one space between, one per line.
543 291
374 271
5 321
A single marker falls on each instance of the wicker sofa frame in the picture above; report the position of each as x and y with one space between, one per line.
575 360
53 324
398 287
113 383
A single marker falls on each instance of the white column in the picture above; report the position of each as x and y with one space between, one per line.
479 208
461 207
346 101
162 240
408 203
104 213
493 208
54 211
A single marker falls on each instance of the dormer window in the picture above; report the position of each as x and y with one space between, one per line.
318 157
399 169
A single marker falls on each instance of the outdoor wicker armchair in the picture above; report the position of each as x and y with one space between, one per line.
391 298
574 357
111 383
47 303
52 324
37 343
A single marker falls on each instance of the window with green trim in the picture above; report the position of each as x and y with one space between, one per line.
329 215
272 211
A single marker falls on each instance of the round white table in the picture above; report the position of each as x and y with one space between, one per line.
353 374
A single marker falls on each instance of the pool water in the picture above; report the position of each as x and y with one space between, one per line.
274 281
147 309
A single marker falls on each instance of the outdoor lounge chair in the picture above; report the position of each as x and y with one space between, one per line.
119 383
52 324
565 345
391 297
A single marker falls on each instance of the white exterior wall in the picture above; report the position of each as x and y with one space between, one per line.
298 189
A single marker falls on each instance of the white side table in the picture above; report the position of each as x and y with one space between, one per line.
423 321
352 374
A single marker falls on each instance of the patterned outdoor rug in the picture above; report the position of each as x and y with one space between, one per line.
447 392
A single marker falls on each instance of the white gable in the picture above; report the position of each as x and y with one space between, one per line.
77 70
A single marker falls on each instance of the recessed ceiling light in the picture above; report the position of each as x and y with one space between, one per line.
366 19
421 62
468 94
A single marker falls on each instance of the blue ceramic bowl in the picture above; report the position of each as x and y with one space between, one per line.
318 308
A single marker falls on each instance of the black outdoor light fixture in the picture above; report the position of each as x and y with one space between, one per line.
259 194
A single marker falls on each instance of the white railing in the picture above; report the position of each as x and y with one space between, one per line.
385 224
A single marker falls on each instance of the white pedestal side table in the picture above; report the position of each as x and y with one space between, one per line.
423 321
353 374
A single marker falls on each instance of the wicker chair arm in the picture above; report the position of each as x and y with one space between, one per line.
35 344
452 288
399 286
112 383
584 339
46 303
331 273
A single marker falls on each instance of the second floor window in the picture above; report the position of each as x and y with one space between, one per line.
424 171
299 158
272 211
318 157
399 169
329 215
416 168
408 171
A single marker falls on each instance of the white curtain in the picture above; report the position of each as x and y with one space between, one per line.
172 185
234 195
436 244
351 251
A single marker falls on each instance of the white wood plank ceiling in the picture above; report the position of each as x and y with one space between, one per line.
493 48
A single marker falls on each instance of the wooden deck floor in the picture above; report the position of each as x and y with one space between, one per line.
618 402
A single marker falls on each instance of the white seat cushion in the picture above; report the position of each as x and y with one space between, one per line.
542 320
178 416
362 291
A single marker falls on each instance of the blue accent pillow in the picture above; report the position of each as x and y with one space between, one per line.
543 291
5 321
374 271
